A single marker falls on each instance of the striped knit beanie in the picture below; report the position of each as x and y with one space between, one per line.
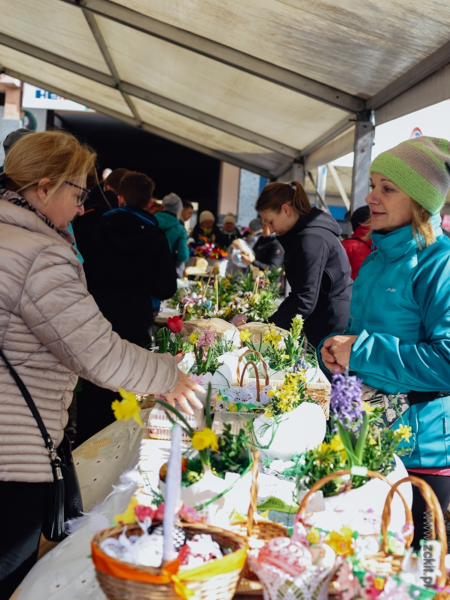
421 168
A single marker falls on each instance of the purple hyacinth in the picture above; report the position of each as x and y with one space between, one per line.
345 401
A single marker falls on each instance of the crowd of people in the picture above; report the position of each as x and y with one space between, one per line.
377 304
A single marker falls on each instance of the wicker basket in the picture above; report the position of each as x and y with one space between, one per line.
385 563
302 515
320 391
260 529
219 587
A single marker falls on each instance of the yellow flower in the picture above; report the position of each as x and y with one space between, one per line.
245 335
372 441
341 542
297 326
368 408
128 517
313 536
268 415
271 393
272 337
232 407
127 408
218 398
205 439
286 357
193 338
404 432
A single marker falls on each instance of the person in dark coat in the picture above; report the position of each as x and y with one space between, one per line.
316 265
357 247
102 197
132 263
229 230
206 228
269 253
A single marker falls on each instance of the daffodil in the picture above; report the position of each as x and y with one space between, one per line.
404 432
127 408
367 407
336 445
193 338
245 335
206 438
341 542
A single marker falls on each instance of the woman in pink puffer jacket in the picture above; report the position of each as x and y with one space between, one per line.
52 332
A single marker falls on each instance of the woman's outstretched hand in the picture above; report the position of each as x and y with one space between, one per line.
184 392
336 352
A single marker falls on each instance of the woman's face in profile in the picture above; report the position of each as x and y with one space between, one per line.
61 206
279 222
390 207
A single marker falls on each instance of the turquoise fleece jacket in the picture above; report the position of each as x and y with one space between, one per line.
400 311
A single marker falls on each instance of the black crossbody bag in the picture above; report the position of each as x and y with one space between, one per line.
65 500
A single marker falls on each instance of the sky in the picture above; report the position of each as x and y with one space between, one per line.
433 121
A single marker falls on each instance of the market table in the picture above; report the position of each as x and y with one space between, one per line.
112 466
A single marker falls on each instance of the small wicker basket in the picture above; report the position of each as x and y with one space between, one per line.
219 587
259 529
319 391
385 563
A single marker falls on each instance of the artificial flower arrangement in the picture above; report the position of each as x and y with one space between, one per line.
207 249
253 294
215 468
354 439
282 352
210 453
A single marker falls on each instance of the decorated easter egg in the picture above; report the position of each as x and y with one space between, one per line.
289 556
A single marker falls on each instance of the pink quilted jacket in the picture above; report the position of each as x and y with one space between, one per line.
52 331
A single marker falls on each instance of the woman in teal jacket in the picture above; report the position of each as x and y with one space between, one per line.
398 336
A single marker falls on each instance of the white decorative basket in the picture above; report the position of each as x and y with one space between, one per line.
159 426
312 584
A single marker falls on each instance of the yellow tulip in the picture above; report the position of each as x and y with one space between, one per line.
127 408
206 438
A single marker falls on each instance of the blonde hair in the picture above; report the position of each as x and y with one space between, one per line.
421 226
274 195
55 155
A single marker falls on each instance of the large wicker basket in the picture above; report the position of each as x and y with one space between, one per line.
217 587
385 563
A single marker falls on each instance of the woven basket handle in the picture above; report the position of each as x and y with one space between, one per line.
253 493
301 513
238 370
433 506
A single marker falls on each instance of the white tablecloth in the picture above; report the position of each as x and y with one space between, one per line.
128 463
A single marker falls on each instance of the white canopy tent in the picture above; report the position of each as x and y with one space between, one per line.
267 85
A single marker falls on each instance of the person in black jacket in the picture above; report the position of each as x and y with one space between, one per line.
269 253
101 199
132 264
316 265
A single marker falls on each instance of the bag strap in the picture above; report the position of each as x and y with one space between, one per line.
32 406
361 240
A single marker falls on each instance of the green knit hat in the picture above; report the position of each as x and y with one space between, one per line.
421 168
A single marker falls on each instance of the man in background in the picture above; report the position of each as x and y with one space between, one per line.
132 264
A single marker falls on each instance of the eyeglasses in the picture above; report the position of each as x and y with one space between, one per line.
84 195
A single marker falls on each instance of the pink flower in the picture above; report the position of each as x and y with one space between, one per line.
191 515
197 378
207 338
348 583
144 511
